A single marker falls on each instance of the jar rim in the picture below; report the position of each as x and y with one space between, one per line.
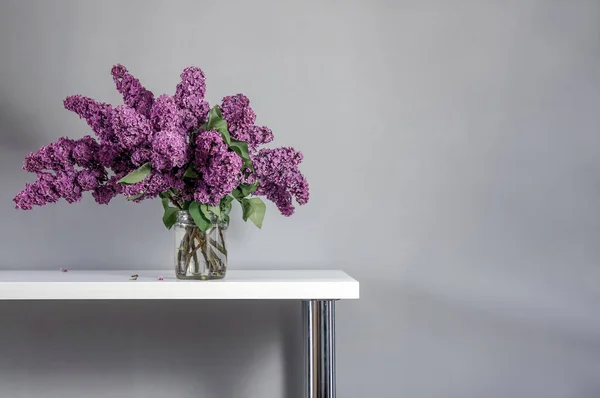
184 216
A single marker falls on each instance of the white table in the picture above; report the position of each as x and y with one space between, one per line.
318 290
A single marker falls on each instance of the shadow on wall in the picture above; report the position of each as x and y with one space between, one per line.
18 129
61 240
19 135
150 349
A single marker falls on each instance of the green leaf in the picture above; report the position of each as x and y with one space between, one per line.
165 200
225 208
205 212
139 195
221 127
237 194
247 189
191 173
136 176
225 204
197 213
216 210
214 115
226 201
216 122
170 217
241 148
253 209
243 190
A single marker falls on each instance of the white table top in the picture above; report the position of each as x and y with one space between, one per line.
117 285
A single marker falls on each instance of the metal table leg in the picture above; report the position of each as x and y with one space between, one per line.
319 348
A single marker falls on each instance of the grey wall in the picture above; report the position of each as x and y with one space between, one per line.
452 151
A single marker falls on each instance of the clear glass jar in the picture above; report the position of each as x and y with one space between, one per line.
199 255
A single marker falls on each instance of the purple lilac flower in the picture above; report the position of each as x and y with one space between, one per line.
131 128
134 94
97 114
170 149
165 114
55 156
190 93
113 157
219 167
86 180
154 184
136 189
144 130
240 121
208 144
85 152
107 153
35 162
162 182
61 153
260 135
66 186
202 193
239 116
122 164
103 194
223 174
236 110
248 176
66 182
141 156
38 193
280 179
90 179
188 120
48 188
205 193
189 188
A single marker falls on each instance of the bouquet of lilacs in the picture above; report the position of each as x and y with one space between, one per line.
176 147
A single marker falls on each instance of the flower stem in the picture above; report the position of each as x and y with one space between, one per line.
195 240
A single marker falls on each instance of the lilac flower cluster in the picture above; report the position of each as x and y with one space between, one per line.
49 187
240 122
189 94
153 185
279 178
97 114
134 94
166 135
64 169
219 167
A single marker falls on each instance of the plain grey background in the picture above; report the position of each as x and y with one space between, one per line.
452 151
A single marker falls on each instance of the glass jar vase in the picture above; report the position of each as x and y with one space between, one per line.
198 254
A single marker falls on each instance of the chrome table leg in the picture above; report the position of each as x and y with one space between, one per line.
319 348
